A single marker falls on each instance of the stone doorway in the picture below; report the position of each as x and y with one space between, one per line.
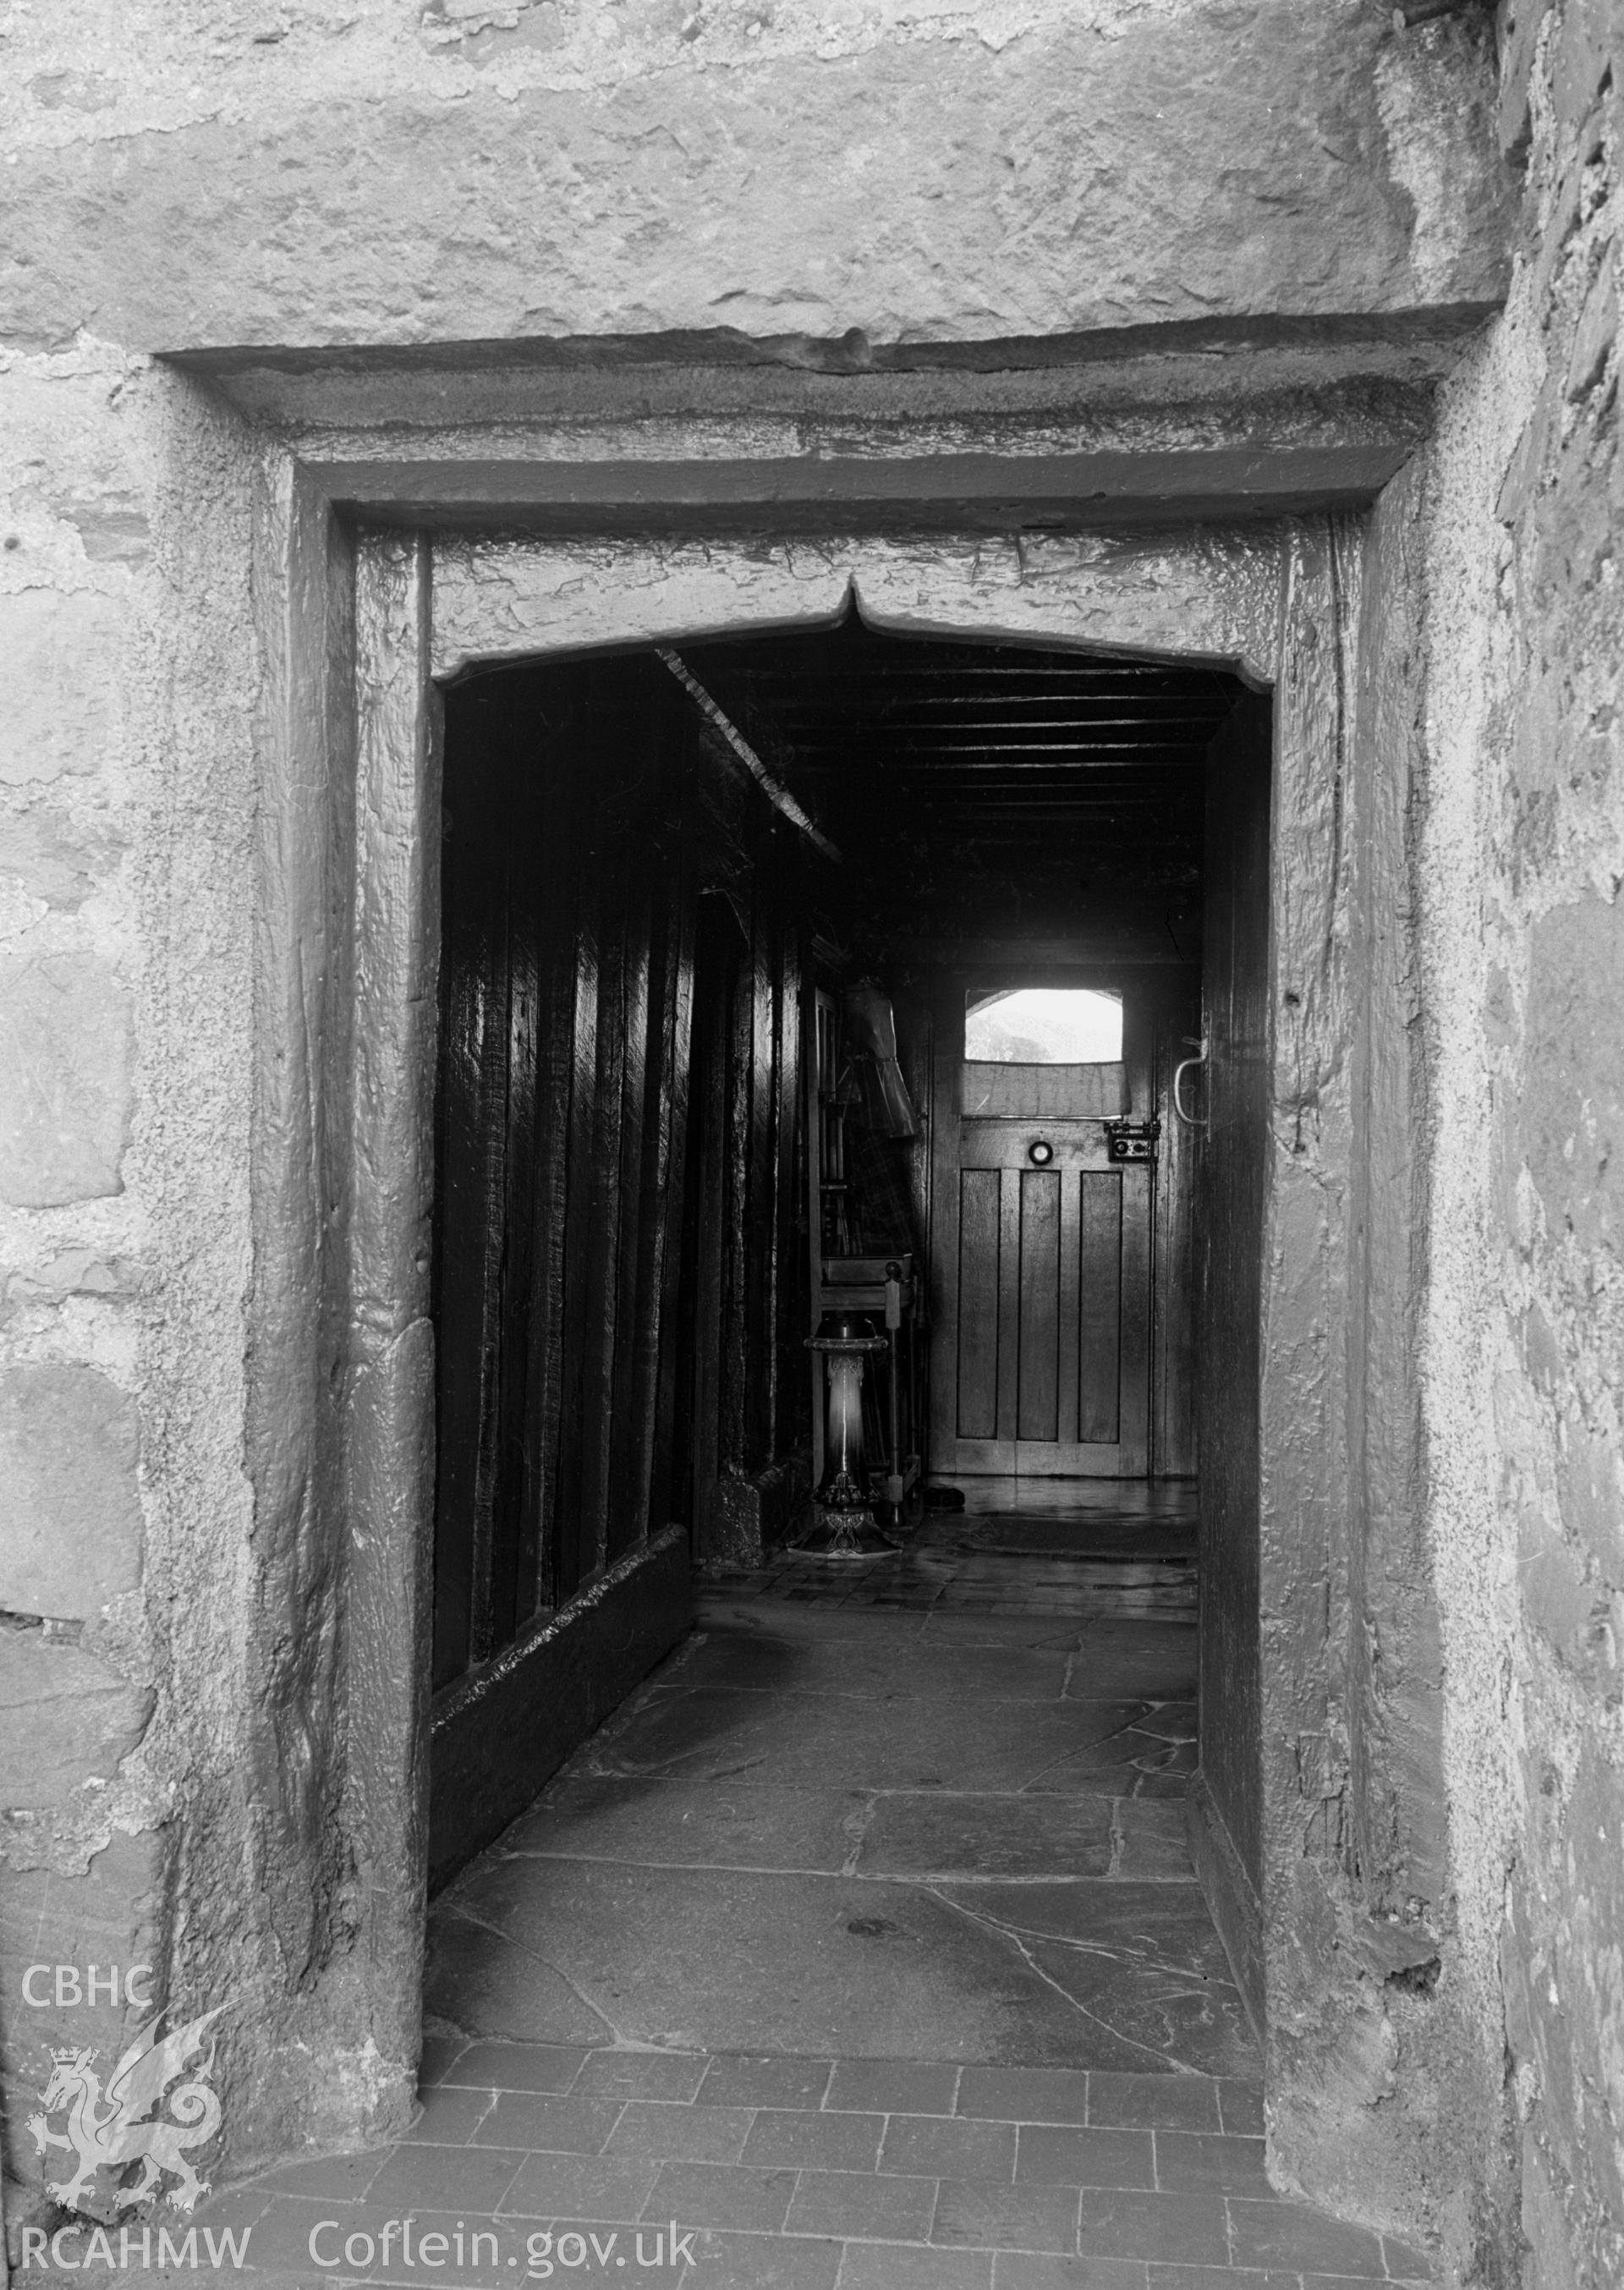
1279 603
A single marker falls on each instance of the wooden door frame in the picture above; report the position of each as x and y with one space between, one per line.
358 619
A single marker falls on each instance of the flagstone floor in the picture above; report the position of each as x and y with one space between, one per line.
860 1950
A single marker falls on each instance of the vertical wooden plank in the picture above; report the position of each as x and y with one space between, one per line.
1139 1283
758 1208
789 1282
514 821
636 1326
1008 1301
1173 1374
1133 1429
470 1185
713 1008
923 1076
488 1192
734 1332
1067 1361
598 1329
1100 1314
1037 1307
557 878
812 1060
947 1065
668 1176
978 1285
580 1309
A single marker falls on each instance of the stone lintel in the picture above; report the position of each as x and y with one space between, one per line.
937 492
1144 425
1429 338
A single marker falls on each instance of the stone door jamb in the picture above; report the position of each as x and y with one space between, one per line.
373 619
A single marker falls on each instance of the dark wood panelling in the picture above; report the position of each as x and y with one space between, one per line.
1178 1019
650 1119
1135 1289
760 1173
616 1280
509 1602
603 1196
666 1342
564 1016
573 1432
1009 1307
738 1238
555 1063
1016 786
470 1164
503 1728
792 1410
1099 1308
1038 1413
979 1269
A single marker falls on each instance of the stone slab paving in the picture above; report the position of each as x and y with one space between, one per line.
1080 1552
963 1577
860 1950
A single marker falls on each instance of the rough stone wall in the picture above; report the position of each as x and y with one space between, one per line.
168 1617
303 172
377 172
1521 860
1447 1992
125 769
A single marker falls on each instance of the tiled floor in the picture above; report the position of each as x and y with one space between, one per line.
860 1951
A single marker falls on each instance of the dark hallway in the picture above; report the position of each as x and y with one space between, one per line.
729 938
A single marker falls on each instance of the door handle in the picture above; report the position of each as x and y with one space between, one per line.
1190 1120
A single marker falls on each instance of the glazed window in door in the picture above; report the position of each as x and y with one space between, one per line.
1042 1248
1043 1026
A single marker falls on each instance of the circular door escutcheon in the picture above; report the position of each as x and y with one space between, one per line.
1040 1152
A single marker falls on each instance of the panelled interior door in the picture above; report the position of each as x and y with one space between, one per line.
1042 1250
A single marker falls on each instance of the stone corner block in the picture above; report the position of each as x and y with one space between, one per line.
65 1058
68 1448
65 1718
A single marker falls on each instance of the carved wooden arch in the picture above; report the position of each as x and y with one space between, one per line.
1213 597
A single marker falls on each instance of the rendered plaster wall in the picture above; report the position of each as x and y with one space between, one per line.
853 171
1522 943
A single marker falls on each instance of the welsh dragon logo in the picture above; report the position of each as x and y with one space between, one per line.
122 2124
